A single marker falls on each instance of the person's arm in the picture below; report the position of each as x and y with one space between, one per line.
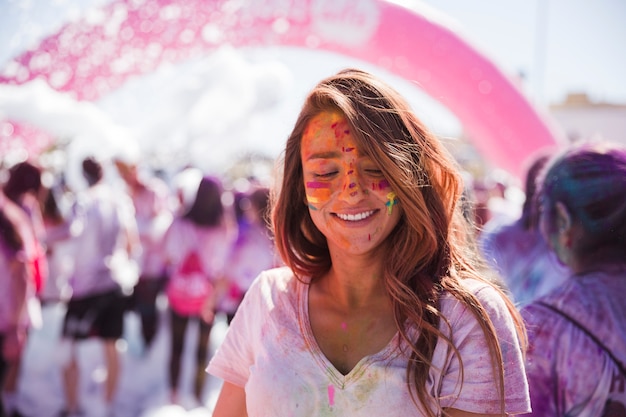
455 412
231 402
16 335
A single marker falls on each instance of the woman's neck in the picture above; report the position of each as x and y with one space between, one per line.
354 285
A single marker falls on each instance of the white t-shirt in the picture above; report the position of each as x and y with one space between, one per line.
270 350
568 373
153 214
102 217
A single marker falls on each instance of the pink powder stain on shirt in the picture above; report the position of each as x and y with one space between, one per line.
331 395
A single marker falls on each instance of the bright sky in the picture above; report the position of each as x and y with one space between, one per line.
561 45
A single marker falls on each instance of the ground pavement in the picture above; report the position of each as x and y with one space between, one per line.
143 388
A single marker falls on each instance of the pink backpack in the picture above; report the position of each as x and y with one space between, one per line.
189 286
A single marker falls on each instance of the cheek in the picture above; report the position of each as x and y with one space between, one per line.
317 193
381 185
384 192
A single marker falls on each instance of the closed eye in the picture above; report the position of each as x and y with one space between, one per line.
325 175
375 173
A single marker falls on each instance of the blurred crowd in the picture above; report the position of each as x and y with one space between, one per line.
132 236
113 247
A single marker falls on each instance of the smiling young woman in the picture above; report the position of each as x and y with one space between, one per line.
380 309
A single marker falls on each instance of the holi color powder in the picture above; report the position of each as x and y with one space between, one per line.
317 192
391 197
316 184
331 395
381 185
340 127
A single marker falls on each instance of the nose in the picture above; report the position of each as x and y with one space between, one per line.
352 191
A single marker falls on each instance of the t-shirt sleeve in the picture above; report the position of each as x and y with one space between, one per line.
235 356
478 392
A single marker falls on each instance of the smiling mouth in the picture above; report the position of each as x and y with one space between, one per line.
355 217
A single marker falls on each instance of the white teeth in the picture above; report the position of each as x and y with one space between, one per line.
355 217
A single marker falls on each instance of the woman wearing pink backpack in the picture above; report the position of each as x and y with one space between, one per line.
195 248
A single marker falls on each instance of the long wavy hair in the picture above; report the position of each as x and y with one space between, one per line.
427 252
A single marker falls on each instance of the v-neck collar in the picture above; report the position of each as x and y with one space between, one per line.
337 378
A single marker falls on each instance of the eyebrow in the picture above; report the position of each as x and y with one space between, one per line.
324 155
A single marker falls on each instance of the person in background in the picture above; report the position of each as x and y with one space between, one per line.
185 186
194 249
577 332
16 287
518 251
59 251
380 309
104 231
252 252
153 213
24 188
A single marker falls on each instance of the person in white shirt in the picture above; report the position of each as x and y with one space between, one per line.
380 309
104 234
153 212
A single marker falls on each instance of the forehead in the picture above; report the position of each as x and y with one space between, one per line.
326 128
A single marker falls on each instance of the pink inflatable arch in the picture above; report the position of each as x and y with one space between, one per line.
92 57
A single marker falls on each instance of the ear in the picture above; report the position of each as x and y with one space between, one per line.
564 224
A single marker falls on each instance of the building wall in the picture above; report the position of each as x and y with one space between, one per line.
581 119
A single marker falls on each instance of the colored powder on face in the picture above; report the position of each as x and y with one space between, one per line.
381 185
391 197
317 184
331 395
317 192
344 326
341 128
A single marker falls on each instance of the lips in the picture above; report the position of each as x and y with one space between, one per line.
355 217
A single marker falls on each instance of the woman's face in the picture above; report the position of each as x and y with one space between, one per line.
349 199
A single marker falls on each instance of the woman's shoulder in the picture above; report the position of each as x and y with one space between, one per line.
275 289
488 295
595 301
483 290
281 279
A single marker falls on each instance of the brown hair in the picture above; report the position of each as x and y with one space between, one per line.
428 251
207 209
